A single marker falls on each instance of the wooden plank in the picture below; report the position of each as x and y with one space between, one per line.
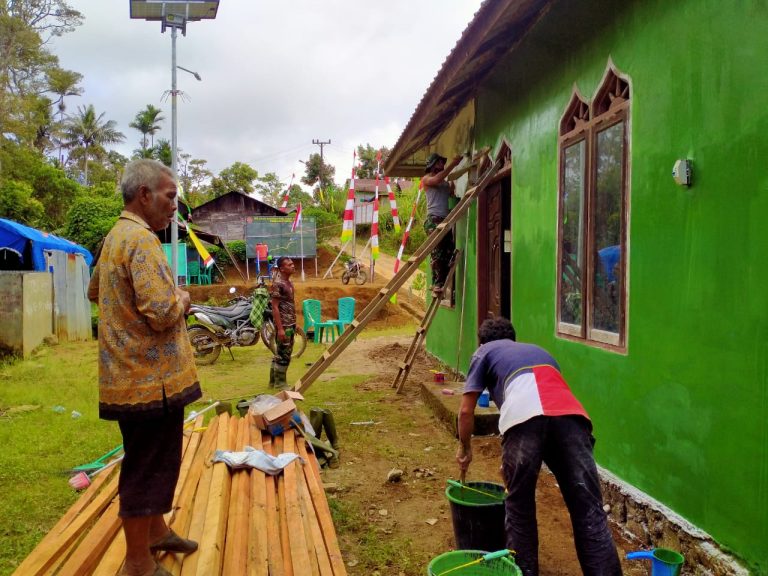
258 551
315 543
113 558
199 500
236 544
323 513
91 548
50 549
285 543
276 564
212 542
297 540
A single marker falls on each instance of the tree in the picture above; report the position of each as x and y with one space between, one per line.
90 219
366 156
194 177
147 122
63 83
162 152
17 203
46 17
314 168
238 177
86 131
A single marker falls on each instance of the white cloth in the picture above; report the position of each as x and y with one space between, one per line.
252 458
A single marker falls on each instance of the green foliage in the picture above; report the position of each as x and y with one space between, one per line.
238 177
147 122
328 224
87 133
269 188
220 255
366 155
56 192
162 151
90 219
314 168
237 248
17 203
331 199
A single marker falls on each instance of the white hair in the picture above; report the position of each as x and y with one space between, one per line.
142 172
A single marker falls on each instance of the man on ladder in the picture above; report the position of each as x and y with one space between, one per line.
438 191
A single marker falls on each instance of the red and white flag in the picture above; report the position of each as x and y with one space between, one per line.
349 209
297 219
284 205
392 205
407 230
375 220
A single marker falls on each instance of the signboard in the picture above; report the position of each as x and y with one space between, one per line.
275 232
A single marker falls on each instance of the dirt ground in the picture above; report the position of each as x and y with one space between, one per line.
413 512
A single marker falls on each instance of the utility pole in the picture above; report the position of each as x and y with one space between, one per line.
321 143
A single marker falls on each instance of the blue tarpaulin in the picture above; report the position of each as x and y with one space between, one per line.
14 236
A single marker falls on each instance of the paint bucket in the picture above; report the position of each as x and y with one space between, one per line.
439 377
453 563
478 518
664 562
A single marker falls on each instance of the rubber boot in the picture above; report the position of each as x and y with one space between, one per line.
316 419
280 373
329 424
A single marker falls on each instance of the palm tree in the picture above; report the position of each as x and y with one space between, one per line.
147 122
63 83
86 131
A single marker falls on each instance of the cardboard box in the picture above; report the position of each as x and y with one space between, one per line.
278 418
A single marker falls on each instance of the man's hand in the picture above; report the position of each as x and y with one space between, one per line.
281 335
183 297
463 458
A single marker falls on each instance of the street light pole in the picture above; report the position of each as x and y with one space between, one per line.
175 221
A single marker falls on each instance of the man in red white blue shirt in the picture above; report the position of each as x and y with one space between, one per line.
540 420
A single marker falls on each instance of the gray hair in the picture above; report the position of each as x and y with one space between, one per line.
142 172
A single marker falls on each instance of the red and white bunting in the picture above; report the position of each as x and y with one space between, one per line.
407 230
284 205
349 209
375 220
392 205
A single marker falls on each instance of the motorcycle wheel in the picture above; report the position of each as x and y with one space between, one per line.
361 278
345 278
299 339
206 348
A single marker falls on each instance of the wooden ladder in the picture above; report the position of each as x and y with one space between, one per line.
421 332
405 272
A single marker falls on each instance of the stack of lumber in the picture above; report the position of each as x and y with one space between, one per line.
246 522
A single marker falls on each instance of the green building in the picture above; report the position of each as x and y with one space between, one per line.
623 234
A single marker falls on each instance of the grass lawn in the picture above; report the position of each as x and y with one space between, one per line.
41 445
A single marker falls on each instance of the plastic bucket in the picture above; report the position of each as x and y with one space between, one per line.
452 560
478 519
664 562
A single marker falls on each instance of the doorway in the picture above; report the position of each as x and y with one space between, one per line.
494 258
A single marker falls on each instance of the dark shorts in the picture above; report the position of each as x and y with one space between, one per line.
150 469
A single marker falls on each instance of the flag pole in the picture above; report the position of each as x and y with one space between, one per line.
301 242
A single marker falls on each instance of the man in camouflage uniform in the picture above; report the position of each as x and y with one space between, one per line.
438 191
284 314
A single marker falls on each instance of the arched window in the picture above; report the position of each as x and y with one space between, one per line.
592 216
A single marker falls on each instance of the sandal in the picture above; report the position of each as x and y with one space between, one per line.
172 542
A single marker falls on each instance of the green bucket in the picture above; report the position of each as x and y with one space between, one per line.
504 566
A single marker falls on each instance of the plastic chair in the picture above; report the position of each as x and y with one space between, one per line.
312 320
205 274
193 272
346 314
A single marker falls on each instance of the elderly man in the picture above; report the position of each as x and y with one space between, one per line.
540 421
146 366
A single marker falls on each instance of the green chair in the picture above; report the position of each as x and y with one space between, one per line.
193 272
205 274
346 314
312 320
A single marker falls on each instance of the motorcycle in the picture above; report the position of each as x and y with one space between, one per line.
228 326
354 269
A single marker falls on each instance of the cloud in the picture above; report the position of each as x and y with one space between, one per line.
276 74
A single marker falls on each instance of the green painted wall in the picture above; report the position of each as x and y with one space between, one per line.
683 415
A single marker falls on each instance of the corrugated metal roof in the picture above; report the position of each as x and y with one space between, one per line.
498 26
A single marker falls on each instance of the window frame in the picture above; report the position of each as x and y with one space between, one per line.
587 130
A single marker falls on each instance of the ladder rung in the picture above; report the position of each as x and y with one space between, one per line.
326 355
355 323
412 259
403 365
420 330
383 291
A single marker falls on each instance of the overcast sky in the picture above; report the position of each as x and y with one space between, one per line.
276 74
